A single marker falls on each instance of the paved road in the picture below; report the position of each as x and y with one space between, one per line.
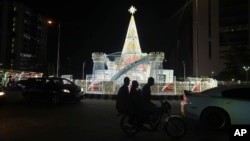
89 120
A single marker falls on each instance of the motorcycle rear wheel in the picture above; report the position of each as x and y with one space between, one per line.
175 127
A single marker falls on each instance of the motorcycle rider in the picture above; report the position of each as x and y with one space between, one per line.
123 100
146 90
146 93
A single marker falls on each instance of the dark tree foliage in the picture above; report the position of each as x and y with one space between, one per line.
234 59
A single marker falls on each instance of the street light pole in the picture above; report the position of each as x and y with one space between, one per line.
246 68
83 67
184 71
196 38
58 47
58 50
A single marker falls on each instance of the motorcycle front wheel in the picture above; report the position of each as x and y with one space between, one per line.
128 125
175 127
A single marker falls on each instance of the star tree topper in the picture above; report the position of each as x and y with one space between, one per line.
132 10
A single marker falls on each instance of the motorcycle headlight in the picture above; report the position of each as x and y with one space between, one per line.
1 93
66 91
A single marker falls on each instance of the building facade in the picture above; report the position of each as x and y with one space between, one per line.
23 38
207 30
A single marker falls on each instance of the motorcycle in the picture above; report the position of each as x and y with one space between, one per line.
173 125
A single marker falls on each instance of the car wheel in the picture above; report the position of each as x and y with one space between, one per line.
28 98
215 118
2 102
77 100
55 99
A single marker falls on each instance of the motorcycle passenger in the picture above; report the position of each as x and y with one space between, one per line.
135 93
123 100
143 109
137 101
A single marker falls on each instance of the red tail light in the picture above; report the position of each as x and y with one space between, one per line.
184 99
185 96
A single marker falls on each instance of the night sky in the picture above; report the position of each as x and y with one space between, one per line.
101 26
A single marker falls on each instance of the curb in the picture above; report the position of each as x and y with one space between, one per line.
113 97
100 96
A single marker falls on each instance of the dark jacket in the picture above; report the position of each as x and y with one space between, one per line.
123 100
146 92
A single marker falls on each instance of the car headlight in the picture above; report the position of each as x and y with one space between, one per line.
66 91
1 93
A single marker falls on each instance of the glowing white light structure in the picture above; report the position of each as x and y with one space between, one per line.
131 62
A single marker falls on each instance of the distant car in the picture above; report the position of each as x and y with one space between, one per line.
2 95
53 90
218 107
21 84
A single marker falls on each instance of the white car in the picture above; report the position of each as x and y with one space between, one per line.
218 107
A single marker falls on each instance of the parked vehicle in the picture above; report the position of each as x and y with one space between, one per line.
53 90
21 84
218 107
173 125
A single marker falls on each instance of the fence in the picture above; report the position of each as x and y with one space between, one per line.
158 89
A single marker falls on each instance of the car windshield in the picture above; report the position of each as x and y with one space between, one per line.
207 90
237 93
62 82
66 82
213 91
